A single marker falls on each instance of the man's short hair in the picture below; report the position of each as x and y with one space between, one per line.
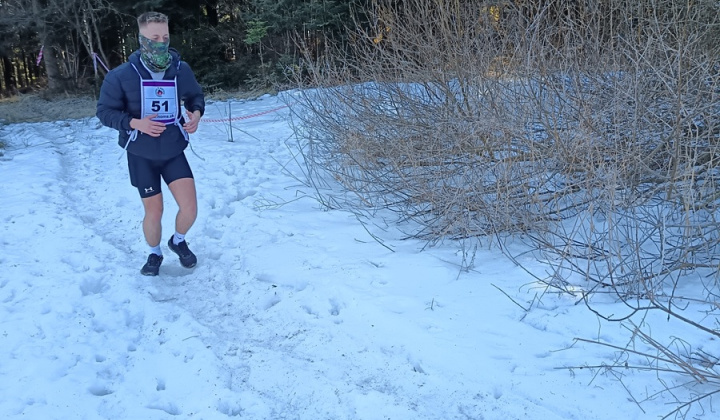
151 17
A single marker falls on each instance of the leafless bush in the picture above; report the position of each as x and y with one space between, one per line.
649 232
688 374
470 119
412 122
589 127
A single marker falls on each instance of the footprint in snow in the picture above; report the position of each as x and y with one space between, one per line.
90 286
169 408
334 307
100 390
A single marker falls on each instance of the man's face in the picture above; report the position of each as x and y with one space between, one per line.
155 31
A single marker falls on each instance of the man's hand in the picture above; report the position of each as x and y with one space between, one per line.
191 124
148 126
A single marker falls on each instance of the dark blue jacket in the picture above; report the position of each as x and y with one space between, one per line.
120 101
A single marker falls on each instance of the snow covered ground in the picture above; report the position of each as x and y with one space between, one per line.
293 312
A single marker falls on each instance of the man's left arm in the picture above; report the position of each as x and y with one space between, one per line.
193 98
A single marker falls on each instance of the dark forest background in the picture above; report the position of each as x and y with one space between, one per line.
230 44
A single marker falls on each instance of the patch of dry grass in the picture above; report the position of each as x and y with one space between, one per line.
36 108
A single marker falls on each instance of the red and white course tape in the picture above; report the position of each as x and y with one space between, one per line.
244 117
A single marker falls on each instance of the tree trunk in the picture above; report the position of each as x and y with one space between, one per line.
55 79
20 61
8 79
212 13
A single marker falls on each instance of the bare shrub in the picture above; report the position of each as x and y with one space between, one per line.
649 233
567 120
423 117
589 128
471 119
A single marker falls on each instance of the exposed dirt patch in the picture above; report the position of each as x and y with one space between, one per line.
35 108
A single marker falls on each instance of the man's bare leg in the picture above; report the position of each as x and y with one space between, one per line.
152 228
183 190
152 222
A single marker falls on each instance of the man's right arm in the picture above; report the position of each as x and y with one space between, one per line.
110 106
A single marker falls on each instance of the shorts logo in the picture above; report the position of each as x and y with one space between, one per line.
149 190
160 92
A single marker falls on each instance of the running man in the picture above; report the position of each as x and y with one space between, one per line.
142 100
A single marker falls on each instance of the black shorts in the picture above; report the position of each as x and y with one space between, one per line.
145 174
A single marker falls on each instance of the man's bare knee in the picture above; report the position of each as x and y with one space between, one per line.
153 207
189 209
184 193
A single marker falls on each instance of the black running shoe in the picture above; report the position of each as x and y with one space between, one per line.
187 258
152 266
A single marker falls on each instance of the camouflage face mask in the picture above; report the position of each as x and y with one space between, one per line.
155 54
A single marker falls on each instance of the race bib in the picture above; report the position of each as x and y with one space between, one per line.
160 97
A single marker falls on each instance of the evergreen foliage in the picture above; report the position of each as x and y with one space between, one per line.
230 44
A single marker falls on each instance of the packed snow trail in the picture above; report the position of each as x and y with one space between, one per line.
293 312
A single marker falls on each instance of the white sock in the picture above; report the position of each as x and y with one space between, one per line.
178 237
156 250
